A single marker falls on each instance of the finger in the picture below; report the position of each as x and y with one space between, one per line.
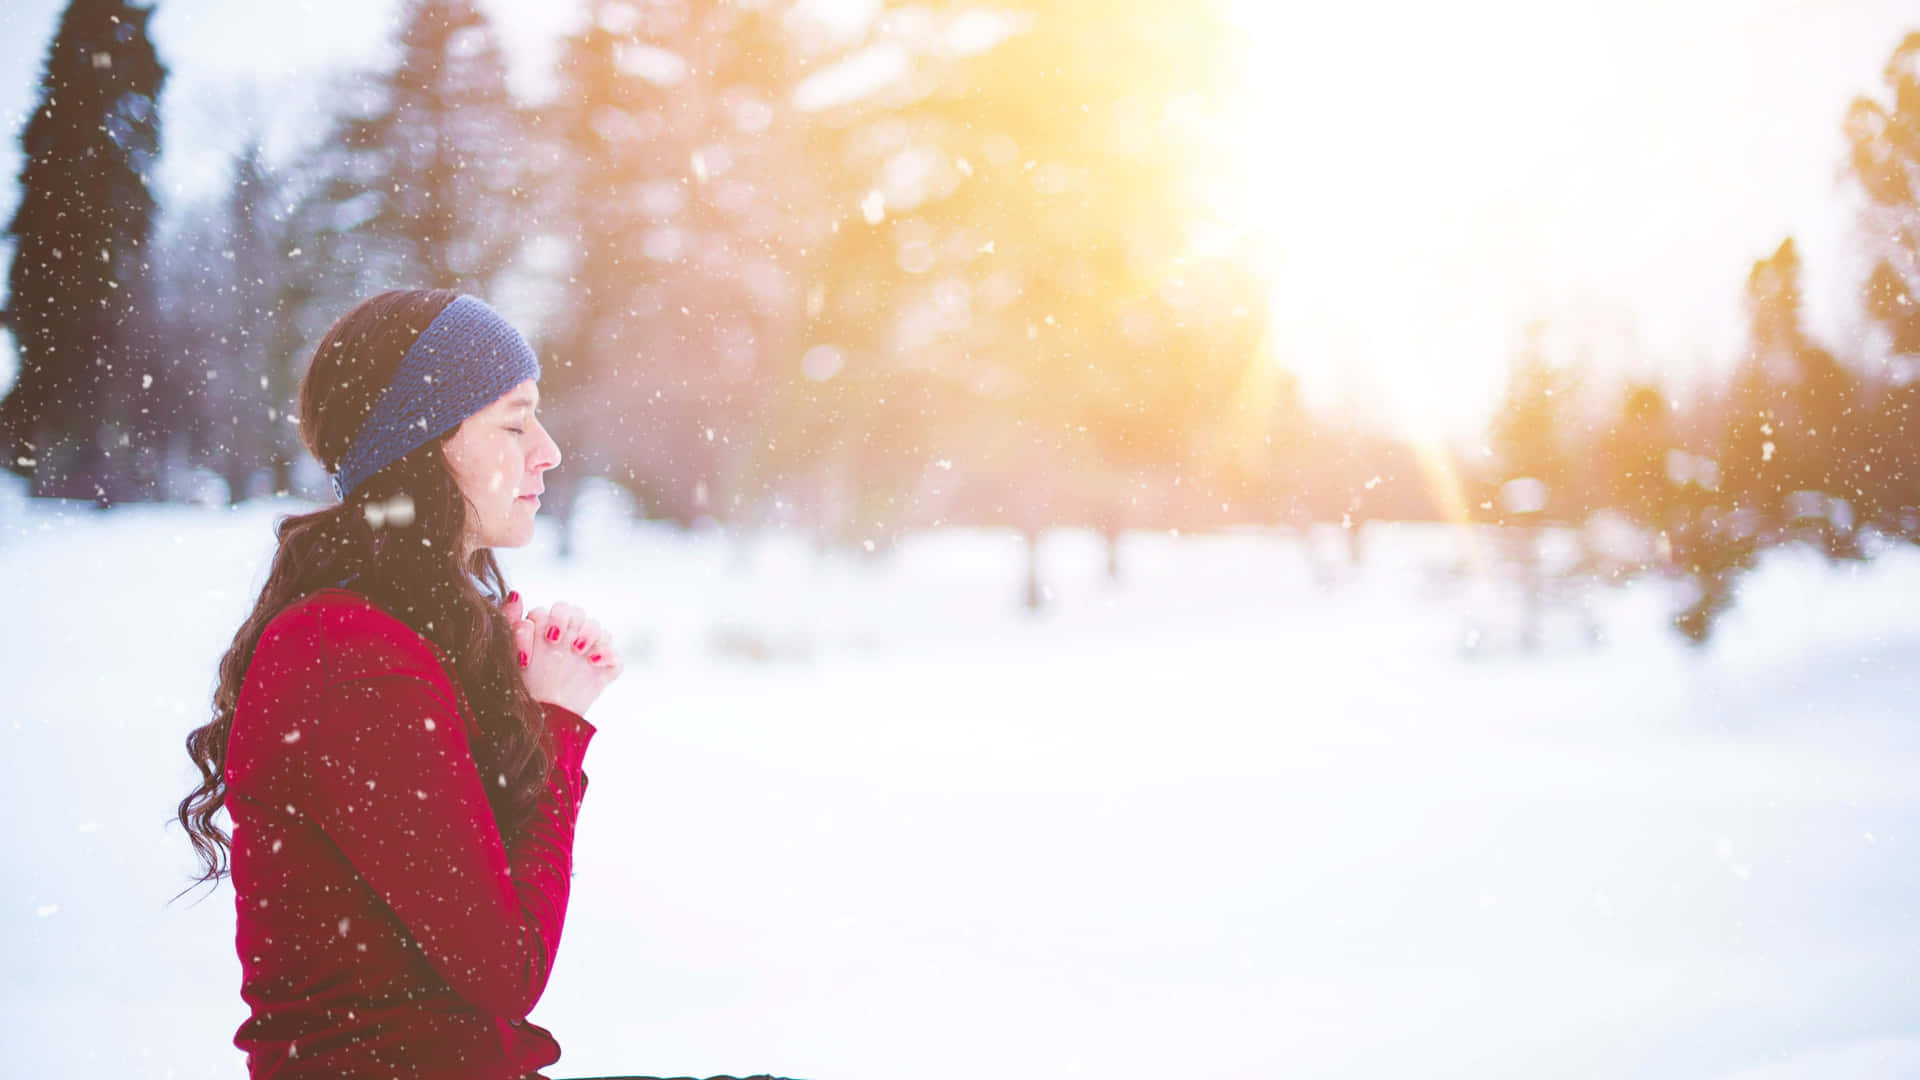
513 608
565 621
588 637
544 629
523 638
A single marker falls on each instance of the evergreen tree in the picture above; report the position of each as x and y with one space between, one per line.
1792 413
422 180
1636 458
1890 462
80 419
193 283
588 166
1534 468
457 146
255 392
229 273
1885 161
679 189
1010 220
1529 436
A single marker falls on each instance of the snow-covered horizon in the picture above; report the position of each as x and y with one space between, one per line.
860 819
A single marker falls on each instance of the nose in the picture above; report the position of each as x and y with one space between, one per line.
546 455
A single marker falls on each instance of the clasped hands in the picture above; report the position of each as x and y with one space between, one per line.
566 658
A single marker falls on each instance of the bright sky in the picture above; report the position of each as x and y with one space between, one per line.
1431 176
1434 175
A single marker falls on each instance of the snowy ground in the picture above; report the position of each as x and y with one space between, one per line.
863 820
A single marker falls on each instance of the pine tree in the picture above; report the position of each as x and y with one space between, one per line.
79 419
1793 410
1529 436
1890 462
1886 163
254 399
1008 219
1636 458
594 166
421 180
678 167
457 143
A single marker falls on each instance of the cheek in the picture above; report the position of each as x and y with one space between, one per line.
501 470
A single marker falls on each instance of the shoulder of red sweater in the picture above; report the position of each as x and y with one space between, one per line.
344 636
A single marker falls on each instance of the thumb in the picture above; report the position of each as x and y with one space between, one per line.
514 608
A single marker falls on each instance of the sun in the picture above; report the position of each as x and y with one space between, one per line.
1361 147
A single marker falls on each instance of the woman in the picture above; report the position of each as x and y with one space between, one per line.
399 749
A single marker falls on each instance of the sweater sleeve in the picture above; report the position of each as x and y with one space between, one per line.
389 776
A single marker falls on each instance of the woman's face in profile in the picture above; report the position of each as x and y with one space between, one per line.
497 456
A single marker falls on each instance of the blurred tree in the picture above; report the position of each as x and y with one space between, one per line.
421 181
1793 422
191 278
1016 224
1637 458
1528 434
1890 462
453 199
213 266
84 418
592 171
1791 447
1885 162
1534 461
255 402
680 195
258 331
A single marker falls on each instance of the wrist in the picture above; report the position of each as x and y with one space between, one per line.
578 709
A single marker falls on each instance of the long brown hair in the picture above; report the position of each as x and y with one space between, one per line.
411 568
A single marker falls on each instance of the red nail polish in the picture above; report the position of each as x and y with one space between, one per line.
579 643
594 659
553 633
512 596
523 659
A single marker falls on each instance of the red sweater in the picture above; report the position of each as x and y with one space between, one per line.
383 928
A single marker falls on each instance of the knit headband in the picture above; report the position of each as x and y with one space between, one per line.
461 363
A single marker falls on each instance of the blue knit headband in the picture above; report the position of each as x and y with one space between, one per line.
462 362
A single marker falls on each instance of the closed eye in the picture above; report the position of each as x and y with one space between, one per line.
518 430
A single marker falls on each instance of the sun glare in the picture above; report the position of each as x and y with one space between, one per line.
1373 148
